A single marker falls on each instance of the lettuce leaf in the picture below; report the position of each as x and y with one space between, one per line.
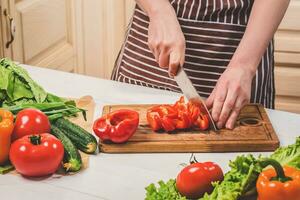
19 91
289 155
165 191
16 84
240 179
19 83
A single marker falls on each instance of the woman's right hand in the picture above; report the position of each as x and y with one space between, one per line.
165 37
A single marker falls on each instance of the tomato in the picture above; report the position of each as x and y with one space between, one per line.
36 155
195 179
30 121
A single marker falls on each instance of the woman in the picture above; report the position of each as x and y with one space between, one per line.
225 47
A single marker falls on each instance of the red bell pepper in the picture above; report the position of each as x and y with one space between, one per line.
202 122
162 116
117 126
181 115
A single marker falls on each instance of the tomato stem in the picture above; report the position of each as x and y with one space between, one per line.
280 176
35 139
193 159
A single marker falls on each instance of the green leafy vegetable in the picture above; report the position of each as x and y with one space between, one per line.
17 84
240 179
164 191
289 155
18 91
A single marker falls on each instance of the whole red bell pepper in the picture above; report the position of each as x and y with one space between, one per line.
117 126
278 183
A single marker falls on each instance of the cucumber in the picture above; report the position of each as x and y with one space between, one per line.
72 160
81 138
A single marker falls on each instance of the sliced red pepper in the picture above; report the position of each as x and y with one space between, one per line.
180 104
202 122
180 115
154 120
194 111
161 117
183 121
117 126
167 123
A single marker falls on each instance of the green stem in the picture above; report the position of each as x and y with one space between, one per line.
280 176
35 139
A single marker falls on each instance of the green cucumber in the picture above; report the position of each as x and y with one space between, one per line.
82 139
72 160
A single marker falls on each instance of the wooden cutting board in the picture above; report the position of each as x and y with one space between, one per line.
253 132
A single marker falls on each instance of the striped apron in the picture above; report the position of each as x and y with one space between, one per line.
213 30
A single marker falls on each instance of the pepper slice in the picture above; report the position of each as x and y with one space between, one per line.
279 182
181 115
162 116
117 126
6 129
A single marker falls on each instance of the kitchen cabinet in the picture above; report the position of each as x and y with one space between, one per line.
104 23
287 60
44 32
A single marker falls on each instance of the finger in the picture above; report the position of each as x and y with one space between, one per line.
210 100
154 50
182 57
227 107
235 113
174 63
164 56
219 99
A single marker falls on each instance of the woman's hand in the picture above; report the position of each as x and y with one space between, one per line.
165 37
233 88
231 93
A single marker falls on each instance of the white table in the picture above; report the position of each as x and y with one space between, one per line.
118 176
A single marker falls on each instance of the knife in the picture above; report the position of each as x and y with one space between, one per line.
191 93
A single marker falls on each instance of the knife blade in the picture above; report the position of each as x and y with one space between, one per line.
191 93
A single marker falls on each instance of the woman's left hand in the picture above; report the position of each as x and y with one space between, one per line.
230 94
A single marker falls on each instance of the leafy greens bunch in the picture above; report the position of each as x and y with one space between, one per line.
19 91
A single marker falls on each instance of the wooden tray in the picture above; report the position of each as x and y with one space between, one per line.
253 132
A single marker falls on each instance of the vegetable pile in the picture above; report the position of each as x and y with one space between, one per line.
181 115
43 138
246 177
18 91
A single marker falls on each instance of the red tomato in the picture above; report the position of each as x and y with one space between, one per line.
36 155
30 121
195 179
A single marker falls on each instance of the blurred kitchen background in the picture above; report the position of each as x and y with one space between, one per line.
84 36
